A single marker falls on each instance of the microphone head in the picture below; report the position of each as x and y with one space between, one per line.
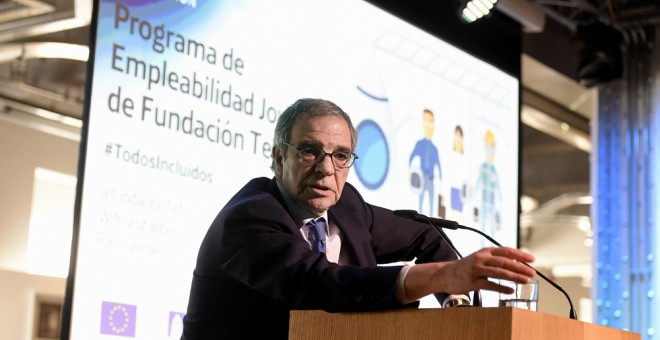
447 224
414 215
406 213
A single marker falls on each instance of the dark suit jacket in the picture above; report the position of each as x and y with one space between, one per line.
254 266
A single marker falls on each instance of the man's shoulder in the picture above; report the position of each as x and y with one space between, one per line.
258 200
260 188
259 183
351 192
350 199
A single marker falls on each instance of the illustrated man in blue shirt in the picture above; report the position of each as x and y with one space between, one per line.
429 159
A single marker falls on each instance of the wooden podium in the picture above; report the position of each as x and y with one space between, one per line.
461 323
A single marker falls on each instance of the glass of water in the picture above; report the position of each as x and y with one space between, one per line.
525 295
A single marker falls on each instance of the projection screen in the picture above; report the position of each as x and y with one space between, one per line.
183 100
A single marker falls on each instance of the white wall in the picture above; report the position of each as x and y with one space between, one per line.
17 297
21 150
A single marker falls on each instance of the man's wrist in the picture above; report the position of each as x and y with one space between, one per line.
400 291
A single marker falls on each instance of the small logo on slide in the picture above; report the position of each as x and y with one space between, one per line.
118 319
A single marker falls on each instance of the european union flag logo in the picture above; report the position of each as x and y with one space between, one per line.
118 319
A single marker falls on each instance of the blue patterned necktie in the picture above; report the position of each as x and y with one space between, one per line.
318 228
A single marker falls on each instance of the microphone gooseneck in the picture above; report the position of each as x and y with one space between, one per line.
572 312
435 222
412 214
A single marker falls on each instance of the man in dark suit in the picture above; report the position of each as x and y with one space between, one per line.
307 240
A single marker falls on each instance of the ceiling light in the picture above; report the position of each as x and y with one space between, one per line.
527 13
473 10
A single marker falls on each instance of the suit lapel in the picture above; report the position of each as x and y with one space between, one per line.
274 190
357 238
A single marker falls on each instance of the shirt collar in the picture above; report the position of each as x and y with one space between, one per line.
300 215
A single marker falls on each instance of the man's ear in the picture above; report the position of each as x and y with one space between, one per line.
278 158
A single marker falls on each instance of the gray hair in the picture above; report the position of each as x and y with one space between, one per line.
302 108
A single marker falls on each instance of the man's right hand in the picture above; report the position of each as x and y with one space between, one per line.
470 273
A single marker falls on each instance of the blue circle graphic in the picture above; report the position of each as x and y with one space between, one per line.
373 164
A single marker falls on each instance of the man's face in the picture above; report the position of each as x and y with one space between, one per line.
490 153
490 149
428 125
458 142
315 187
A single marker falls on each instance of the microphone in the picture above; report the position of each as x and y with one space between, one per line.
412 214
435 222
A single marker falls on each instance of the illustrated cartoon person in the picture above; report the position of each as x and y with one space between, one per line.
457 179
429 160
458 139
488 185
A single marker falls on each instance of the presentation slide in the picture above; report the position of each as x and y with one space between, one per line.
183 103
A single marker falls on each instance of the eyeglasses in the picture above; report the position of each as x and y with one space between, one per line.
340 159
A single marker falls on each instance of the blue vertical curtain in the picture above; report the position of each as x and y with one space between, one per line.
625 187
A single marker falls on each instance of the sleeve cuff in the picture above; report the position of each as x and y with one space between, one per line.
400 292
